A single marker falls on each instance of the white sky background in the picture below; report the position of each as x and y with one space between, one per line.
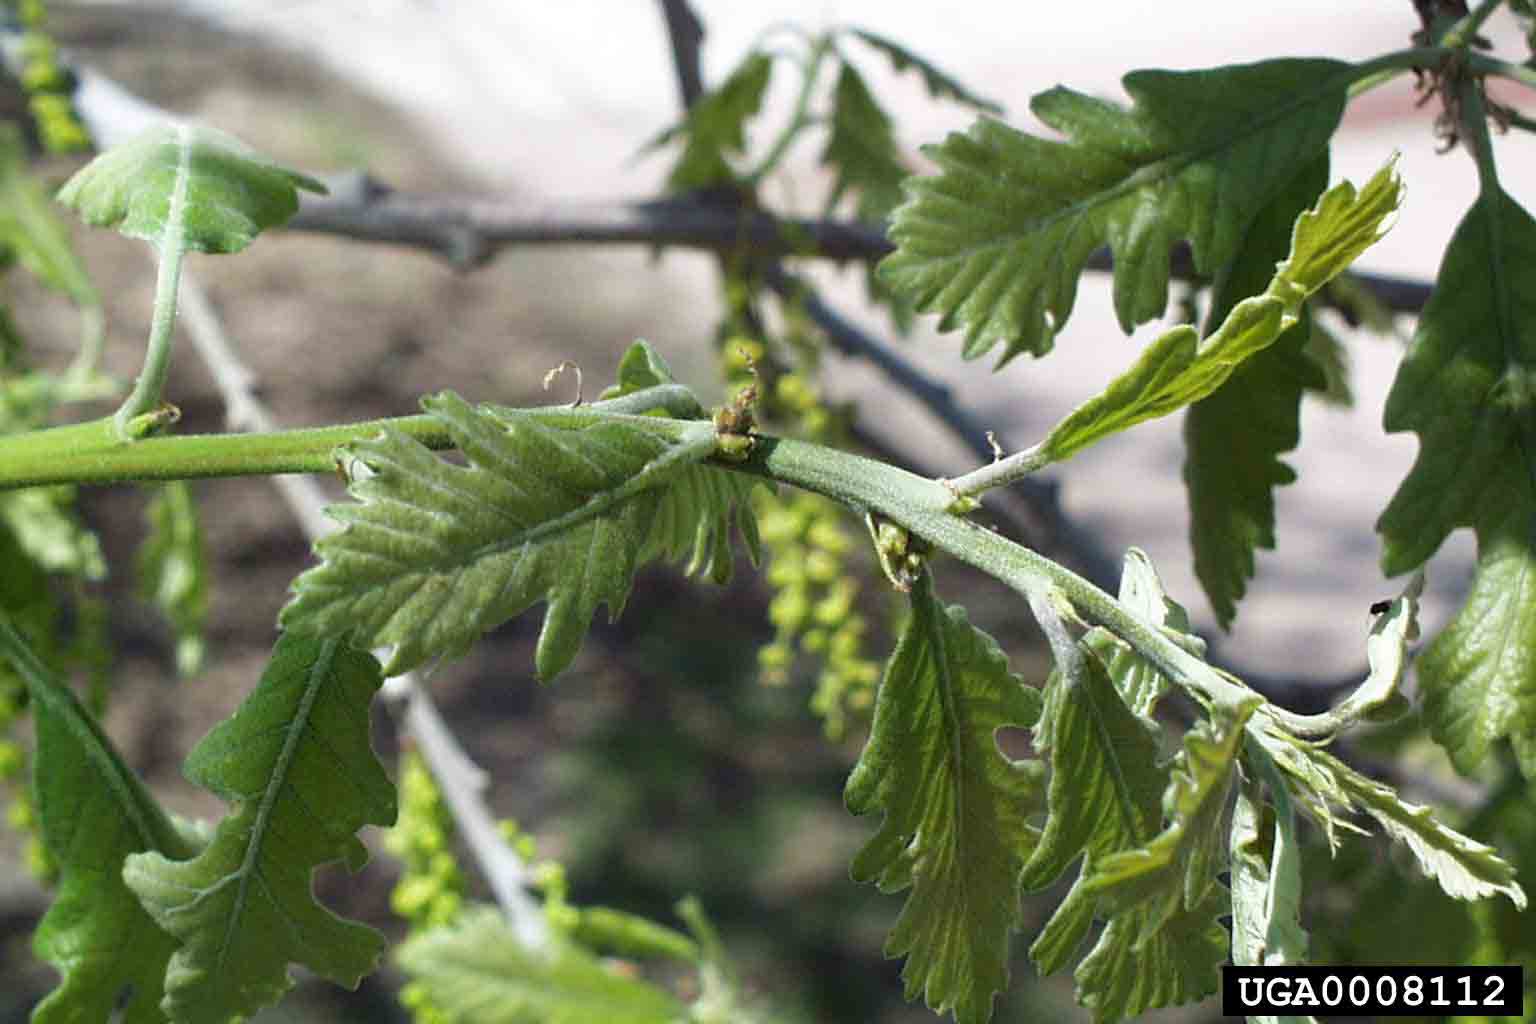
555 100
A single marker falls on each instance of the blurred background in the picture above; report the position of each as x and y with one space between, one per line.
661 764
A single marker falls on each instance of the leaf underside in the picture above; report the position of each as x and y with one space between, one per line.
954 831
995 243
1468 390
297 760
437 553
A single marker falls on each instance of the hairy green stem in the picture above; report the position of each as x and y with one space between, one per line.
150 385
94 453
921 506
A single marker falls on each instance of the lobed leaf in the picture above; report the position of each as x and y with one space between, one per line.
1180 367
1135 967
995 243
1234 436
715 127
1466 388
955 829
1106 786
1464 868
188 186
1177 869
94 812
940 85
297 760
861 150
476 971
437 553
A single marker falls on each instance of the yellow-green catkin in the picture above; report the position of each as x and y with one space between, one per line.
46 83
20 812
431 887
808 543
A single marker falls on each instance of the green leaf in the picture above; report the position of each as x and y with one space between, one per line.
861 151
475 972
1331 360
186 187
715 128
30 229
1234 436
940 85
297 760
173 570
1266 881
1179 367
955 806
1140 683
996 241
1177 869
1106 785
94 812
1466 388
437 553
1135 967
1465 868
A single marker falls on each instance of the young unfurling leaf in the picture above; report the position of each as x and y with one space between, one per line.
188 187
955 806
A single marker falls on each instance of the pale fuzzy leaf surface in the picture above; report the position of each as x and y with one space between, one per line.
995 243
47 524
1266 884
1140 684
861 150
1179 367
94 812
714 131
1234 437
173 570
1177 869
955 807
1467 389
1106 784
1136 966
940 85
31 229
297 761
1465 868
474 971
434 553
191 186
